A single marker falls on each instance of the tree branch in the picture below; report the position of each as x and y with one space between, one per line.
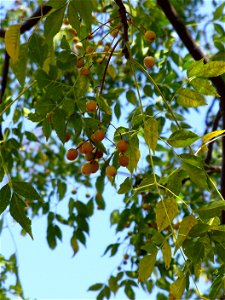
198 54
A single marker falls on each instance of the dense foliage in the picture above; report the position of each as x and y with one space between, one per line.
95 91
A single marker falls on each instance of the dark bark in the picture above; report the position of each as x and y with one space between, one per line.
198 54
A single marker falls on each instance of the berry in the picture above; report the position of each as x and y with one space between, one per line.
89 49
98 153
149 61
80 62
94 166
86 147
85 72
150 35
72 154
86 169
91 106
126 256
98 136
146 206
80 148
89 156
122 146
110 171
123 161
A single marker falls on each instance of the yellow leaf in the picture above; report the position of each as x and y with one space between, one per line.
166 211
151 132
146 266
167 254
12 42
208 136
185 227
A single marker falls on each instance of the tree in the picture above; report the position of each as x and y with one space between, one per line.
72 71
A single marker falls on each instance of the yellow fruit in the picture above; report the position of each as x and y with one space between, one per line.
110 171
72 154
91 106
122 146
150 35
149 61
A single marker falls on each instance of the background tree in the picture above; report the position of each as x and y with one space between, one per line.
96 91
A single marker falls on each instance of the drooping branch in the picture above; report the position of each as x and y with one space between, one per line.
123 17
198 54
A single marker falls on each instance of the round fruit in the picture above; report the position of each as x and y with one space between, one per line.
86 169
150 35
80 147
122 146
149 61
79 45
84 72
146 206
89 156
94 166
86 147
72 154
89 49
123 161
98 153
80 62
110 171
126 256
91 106
98 136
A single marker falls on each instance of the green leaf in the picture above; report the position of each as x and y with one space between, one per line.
192 160
185 226
131 97
25 190
38 49
19 68
73 16
167 254
151 132
51 236
177 288
53 23
113 285
47 128
218 13
166 211
17 211
5 196
204 86
189 98
126 186
212 209
103 105
74 244
218 287
210 69
133 153
182 138
12 42
61 189
174 182
59 124
210 135
111 71
85 9
197 175
146 184
95 287
146 266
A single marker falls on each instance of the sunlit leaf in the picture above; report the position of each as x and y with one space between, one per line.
204 86
12 42
210 135
185 226
166 211
182 138
177 288
151 132
167 254
189 98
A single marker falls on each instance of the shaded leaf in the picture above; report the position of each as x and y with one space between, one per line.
59 124
189 98
26 190
197 175
103 105
17 211
53 23
12 42
5 196
167 254
38 49
126 186
19 68
95 287
146 266
73 16
166 211
212 209
74 244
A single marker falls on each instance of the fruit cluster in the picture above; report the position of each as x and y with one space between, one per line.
149 61
91 152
